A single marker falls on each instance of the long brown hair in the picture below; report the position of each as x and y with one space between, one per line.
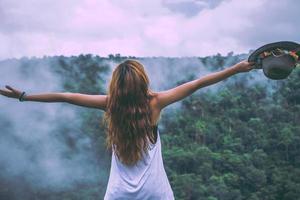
128 113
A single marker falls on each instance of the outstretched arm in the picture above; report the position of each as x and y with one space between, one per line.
170 96
86 100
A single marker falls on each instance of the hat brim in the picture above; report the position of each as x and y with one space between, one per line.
286 45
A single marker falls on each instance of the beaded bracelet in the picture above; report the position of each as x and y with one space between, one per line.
22 96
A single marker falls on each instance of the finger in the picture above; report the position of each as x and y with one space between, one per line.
8 87
12 89
4 92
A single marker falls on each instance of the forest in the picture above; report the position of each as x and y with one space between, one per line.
237 140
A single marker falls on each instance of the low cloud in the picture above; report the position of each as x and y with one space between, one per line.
34 149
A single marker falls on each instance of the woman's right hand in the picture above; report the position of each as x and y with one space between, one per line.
11 92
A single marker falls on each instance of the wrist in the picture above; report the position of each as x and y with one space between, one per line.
22 96
235 69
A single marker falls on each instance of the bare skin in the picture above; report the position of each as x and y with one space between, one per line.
159 101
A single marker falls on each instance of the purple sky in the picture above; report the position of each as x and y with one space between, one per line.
143 27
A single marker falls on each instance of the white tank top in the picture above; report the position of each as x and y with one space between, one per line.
146 180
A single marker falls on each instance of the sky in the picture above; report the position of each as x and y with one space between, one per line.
174 28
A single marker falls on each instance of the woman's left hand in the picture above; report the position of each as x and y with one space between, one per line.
244 66
11 92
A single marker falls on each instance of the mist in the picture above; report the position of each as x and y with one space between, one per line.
33 149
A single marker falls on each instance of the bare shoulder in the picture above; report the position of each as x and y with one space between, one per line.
154 100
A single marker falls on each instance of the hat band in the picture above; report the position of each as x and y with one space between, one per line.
279 52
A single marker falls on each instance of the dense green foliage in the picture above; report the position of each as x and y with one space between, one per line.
241 142
236 144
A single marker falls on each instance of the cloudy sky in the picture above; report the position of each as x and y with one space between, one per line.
143 27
